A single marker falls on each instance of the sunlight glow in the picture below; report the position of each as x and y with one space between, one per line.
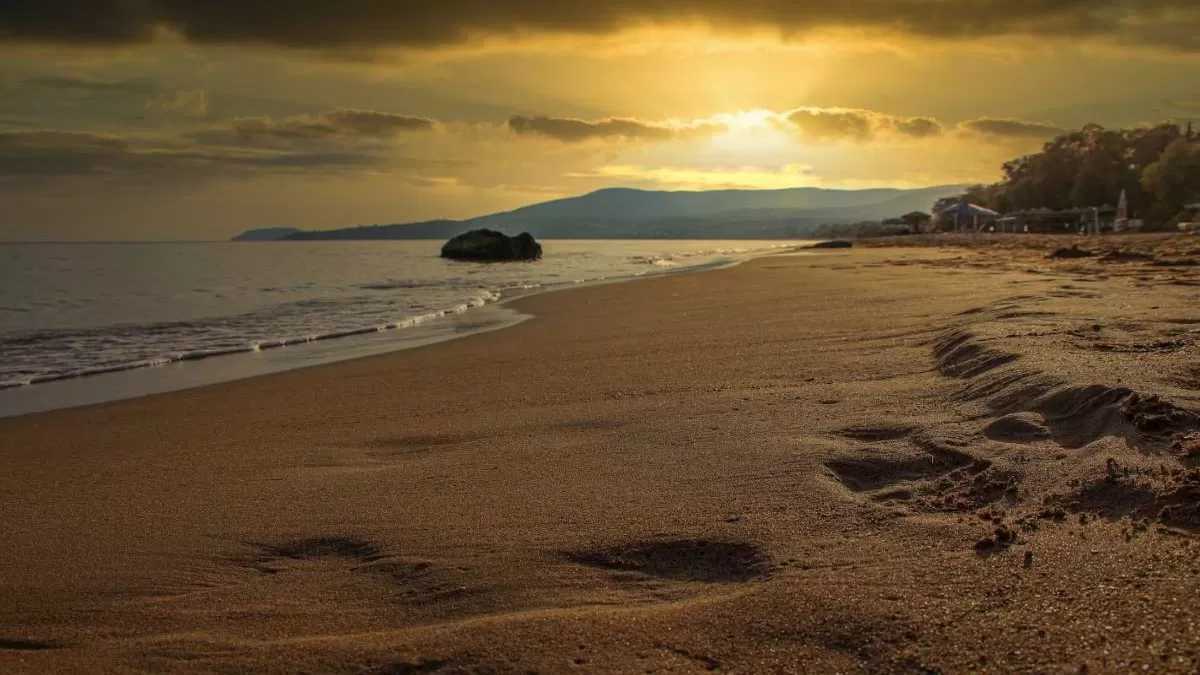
753 135
692 178
744 120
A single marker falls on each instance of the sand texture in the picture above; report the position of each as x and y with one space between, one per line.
883 460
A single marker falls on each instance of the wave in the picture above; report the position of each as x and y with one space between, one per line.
395 285
249 346
659 260
344 308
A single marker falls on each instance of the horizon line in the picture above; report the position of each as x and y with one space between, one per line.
468 219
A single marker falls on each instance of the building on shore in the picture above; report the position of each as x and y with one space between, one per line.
1188 220
1066 221
964 217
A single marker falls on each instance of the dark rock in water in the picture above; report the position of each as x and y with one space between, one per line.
836 243
1073 252
490 245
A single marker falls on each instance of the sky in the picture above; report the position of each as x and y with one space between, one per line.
190 119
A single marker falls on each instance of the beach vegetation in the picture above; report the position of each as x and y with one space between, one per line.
1158 168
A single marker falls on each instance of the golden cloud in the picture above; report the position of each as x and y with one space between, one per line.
570 130
341 122
1007 127
845 124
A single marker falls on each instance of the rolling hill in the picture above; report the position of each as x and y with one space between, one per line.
625 213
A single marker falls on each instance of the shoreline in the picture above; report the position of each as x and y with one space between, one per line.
150 379
168 377
835 461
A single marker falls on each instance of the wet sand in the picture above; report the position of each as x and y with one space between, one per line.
883 460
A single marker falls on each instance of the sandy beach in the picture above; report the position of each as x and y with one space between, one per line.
895 459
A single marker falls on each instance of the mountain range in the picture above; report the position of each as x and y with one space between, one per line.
626 213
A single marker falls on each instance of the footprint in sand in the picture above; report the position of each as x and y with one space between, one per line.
409 447
871 434
930 474
873 469
700 560
350 572
356 556
1017 428
27 645
422 667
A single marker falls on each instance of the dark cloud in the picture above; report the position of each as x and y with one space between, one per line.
55 153
918 127
348 123
1170 24
833 125
69 102
1005 128
187 103
570 130
137 87
842 124
41 155
372 123
71 21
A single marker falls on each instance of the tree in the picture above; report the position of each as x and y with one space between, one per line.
1092 166
1143 147
1174 180
1103 170
946 202
977 194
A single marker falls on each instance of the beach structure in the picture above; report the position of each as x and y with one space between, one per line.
965 217
1050 221
1121 221
897 226
1188 220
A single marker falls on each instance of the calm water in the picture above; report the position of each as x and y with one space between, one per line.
73 310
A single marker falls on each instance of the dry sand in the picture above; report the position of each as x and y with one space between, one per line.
892 460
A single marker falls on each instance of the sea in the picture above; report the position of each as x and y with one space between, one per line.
83 323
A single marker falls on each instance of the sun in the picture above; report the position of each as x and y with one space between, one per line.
748 120
752 134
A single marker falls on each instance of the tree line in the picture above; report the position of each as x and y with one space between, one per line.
1157 166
